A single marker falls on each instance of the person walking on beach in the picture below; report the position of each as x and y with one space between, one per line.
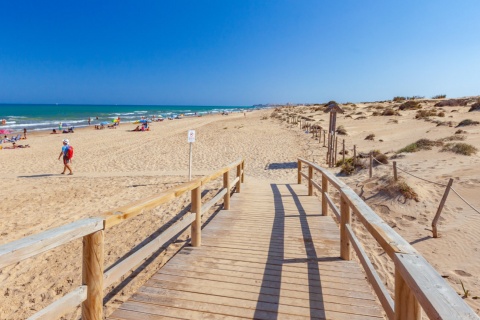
67 156
89 120
24 133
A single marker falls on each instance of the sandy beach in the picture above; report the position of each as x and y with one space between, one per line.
113 167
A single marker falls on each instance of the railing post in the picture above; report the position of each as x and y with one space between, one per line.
324 133
324 195
395 176
440 208
336 151
196 228
226 184
243 171
299 166
354 155
345 217
406 305
92 275
310 177
239 182
343 152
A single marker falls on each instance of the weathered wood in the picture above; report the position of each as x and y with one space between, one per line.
345 219
310 177
235 182
331 178
331 204
370 167
317 186
343 151
336 150
354 155
440 208
196 228
437 298
31 246
406 305
299 172
395 175
372 275
238 183
243 171
63 305
92 275
324 133
226 185
117 271
214 200
304 175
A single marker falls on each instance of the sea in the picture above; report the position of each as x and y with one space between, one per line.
36 117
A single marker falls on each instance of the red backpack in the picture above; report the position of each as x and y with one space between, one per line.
70 152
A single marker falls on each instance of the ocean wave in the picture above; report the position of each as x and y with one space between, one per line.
140 111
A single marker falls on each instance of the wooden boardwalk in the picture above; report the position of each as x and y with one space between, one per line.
272 256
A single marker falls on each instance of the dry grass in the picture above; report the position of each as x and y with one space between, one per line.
452 103
460 148
361 118
475 107
410 105
460 131
350 166
422 144
390 112
452 138
371 136
341 130
422 114
439 96
406 191
467 122
398 99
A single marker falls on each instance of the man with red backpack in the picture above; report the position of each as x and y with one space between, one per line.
67 152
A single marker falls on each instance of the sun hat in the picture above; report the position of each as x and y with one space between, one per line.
65 141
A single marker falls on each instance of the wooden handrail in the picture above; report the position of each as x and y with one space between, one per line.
417 283
92 230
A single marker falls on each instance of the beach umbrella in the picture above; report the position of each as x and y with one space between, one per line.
5 131
144 121
104 123
66 124
114 120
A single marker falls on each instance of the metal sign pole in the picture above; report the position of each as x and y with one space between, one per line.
190 166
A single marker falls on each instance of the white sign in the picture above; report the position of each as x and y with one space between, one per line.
191 135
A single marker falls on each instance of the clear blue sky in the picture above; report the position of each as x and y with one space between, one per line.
236 52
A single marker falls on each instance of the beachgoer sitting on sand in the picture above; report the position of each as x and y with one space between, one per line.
137 129
70 130
54 131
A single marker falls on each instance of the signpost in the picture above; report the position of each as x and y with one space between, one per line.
191 140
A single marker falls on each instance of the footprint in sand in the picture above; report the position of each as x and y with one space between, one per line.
462 273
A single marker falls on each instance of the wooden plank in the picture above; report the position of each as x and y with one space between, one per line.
196 227
333 206
31 246
304 175
214 200
386 237
235 181
372 275
345 219
331 178
437 298
220 172
114 273
63 305
317 186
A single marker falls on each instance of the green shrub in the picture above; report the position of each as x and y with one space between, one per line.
410 105
467 122
398 99
452 138
349 166
422 144
460 148
439 96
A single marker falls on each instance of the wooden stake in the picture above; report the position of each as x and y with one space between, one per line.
354 155
343 151
440 208
324 133
336 151
92 275
395 176
370 172
243 171
226 184
196 227
239 183
345 217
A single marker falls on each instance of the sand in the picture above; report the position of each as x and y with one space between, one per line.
113 167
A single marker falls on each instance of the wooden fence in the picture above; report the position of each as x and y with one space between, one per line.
94 279
417 284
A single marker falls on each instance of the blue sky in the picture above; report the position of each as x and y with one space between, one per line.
236 52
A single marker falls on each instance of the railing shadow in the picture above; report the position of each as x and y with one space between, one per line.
270 288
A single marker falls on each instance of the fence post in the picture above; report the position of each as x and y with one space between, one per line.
226 184
440 208
345 218
243 171
343 152
324 133
336 151
92 275
299 166
239 175
370 172
395 176
196 227
406 305
310 177
354 155
324 195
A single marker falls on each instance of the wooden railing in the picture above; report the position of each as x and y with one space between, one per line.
94 279
417 284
